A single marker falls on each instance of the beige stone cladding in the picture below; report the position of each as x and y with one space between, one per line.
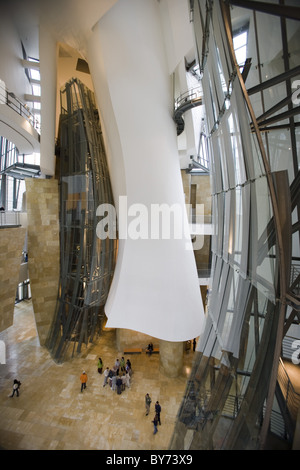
43 249
11 246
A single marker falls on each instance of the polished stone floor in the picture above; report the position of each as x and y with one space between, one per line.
52 414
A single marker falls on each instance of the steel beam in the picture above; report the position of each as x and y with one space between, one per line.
275 80
284 11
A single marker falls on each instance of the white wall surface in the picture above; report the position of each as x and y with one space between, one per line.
155 288
11 69
48 61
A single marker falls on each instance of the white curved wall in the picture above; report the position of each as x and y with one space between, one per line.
18 130
155 288
48 54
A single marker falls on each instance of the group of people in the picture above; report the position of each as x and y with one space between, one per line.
156 419
116 381
119 376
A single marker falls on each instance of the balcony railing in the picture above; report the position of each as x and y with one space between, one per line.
189 96
292 398
7 97
9 219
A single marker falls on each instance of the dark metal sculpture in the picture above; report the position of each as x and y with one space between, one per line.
87 262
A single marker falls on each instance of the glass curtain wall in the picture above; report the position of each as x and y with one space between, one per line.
230 395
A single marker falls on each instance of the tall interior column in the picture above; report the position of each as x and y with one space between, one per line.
155 287
48 54
43 249
171 357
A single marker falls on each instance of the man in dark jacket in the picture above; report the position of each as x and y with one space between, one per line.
157 411
119 385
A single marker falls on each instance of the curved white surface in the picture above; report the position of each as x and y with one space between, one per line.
18 130
155 289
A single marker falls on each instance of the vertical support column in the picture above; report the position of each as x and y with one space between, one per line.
48 54
171 357
43 250
11 245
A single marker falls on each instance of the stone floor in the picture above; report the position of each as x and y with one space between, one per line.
52 414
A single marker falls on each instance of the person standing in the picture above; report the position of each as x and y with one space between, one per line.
122 364
127 380
100 365
155 420
123 378
147 403
157 411
106 372
119 385
117 366
114 383
83 380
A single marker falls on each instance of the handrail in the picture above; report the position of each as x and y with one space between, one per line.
188 96
7 97
186 101
292 398
9 218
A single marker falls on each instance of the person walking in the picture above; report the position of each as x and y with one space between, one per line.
83 380
155 420
16 386
100 365
157 411
147 403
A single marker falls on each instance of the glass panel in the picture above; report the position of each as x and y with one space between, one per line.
227 234
244 231
262 239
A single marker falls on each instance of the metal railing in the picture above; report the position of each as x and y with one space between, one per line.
9 218
188 96
277 424
7 97
295 278
292 398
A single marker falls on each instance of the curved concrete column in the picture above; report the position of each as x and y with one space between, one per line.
171 358
155 287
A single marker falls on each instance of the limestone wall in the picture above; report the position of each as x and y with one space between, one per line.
133 339
11 246
43 249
